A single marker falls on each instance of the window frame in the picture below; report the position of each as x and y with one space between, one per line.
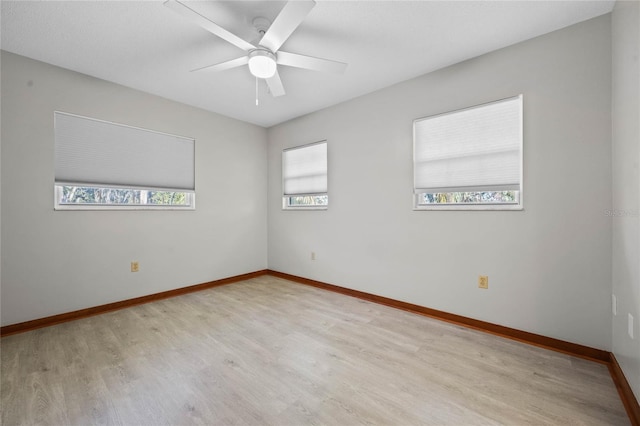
58 193
286 198
286 203
516 206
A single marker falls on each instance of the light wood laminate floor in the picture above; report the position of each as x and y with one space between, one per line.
268 351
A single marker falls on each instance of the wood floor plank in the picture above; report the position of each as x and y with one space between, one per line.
269 351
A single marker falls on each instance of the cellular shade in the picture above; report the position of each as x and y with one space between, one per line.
474 149
99 153
304 170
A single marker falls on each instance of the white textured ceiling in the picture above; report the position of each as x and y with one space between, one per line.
146 46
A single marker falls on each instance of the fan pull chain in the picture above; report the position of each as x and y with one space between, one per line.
257 103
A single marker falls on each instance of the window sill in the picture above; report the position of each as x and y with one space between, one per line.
470 207
121 208
305 208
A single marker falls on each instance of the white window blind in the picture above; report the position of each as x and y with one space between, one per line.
94 152
304 170
474 149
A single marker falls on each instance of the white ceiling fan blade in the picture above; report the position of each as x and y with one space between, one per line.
275 85
208 25
222 66
310 63
291 15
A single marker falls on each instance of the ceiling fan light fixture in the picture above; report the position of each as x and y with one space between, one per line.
262 63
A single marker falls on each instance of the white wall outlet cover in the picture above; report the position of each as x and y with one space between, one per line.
614 304
630 328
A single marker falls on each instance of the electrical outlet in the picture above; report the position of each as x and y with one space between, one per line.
614 304
630 326
483 281
313 255
135 266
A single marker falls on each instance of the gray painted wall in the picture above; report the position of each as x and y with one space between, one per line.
626 186
549 266
60 261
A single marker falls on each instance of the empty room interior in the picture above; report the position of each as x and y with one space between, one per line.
320 212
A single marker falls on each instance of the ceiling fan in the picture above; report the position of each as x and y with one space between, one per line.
263 59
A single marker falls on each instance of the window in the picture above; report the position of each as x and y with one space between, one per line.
470 158
103 165
304 177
